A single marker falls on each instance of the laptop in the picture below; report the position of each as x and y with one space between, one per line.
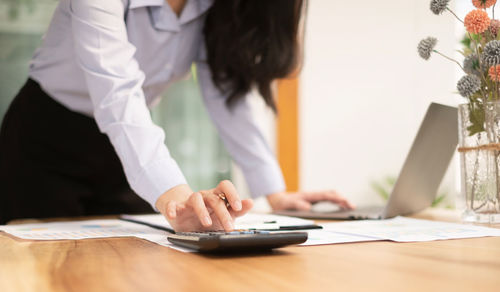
420 177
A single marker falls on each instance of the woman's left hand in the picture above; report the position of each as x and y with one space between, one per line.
304 200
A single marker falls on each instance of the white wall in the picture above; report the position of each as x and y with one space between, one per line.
364 90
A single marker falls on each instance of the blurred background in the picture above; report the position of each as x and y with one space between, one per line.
361 95
364 91
191 138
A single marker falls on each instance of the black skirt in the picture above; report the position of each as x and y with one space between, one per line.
55 163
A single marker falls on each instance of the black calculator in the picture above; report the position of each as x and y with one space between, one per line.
236 241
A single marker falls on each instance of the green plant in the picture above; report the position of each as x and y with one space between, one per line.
384 188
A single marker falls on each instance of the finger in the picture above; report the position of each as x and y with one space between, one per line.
220 210
340 200
171 210
348 205
196 202
314 197
331 196
302 205
246 206
231 194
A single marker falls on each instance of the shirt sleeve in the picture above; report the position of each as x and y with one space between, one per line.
114 81
242 137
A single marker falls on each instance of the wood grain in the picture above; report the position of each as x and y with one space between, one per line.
129 264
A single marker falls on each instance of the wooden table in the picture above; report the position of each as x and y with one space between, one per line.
129 264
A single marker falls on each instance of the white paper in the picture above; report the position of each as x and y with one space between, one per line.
247 221
78 230
154 219
162 240
324 236
403 229
74 230
397 229
262 221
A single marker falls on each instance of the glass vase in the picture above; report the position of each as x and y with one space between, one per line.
480 163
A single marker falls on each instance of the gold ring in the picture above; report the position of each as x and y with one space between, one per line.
222 196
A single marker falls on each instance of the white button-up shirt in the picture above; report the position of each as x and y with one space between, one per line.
112 59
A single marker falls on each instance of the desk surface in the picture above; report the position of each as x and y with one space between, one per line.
129 264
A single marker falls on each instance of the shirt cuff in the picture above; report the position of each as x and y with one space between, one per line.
158 178
264 180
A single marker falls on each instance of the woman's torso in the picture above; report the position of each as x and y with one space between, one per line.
166 45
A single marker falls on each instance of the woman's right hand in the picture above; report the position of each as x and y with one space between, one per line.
303 200
186 210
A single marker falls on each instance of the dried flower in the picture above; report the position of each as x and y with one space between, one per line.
477 21
491 53
494 73
426 46
471 64
439 6
484 3
468 85
494 27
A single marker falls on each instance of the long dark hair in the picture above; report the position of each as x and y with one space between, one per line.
251 43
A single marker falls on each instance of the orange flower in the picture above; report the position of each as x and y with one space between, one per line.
494 73
477 21
484 3
494 27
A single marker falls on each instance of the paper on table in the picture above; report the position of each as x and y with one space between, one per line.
88 229
397 229
74 230
263 221
403 229
118 228
247 221
78 230
256 221
151 219
322 236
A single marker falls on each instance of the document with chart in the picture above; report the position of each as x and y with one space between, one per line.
402 229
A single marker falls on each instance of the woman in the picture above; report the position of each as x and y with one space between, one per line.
78 138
